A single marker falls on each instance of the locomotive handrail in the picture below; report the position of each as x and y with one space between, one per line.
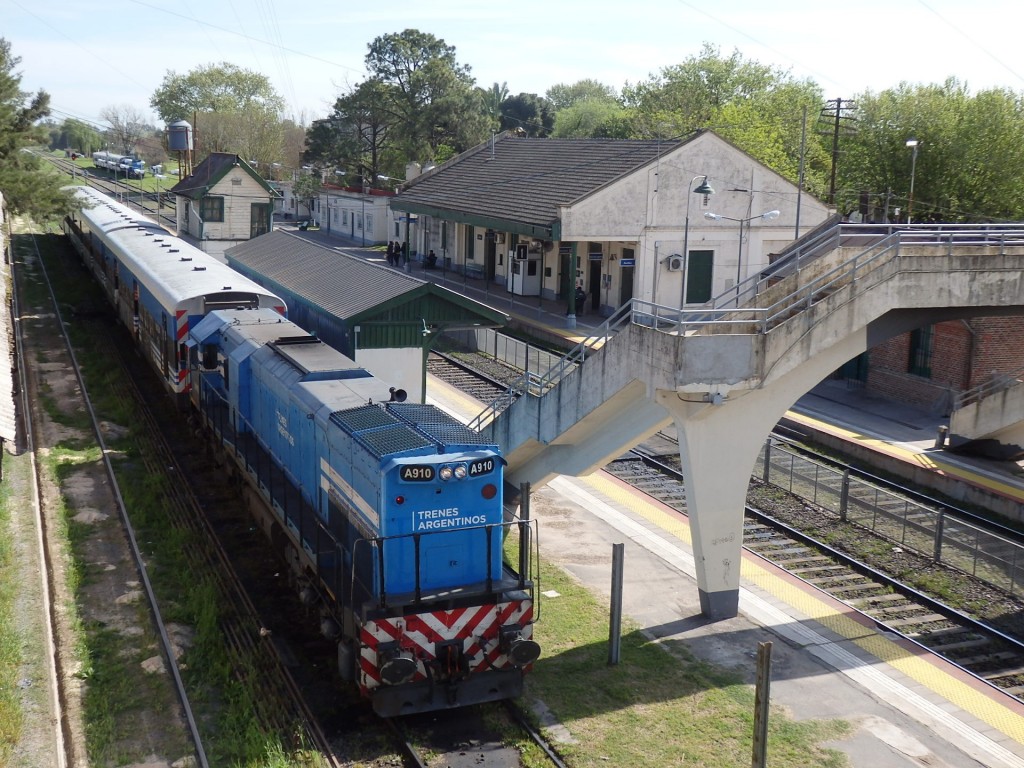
376 545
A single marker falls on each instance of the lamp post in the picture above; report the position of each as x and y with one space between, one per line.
703 189
913 144
766 216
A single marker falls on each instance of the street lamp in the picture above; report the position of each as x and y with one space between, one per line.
766 216
913 144
703 189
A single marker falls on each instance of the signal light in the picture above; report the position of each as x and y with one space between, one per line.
399 499
489 491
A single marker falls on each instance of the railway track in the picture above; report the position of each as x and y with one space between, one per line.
468 737
261 658
477 375
991 655
152 204
51 346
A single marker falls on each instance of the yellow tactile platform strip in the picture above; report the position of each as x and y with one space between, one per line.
923 669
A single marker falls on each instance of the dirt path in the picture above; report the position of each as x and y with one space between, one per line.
103 630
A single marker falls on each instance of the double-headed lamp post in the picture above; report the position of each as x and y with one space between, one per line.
766 216
702 189
913 144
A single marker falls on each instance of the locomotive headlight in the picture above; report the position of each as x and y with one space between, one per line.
445 473
460 472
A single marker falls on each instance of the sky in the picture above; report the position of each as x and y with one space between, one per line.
89 56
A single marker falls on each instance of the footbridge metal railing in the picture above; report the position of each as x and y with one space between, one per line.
782 290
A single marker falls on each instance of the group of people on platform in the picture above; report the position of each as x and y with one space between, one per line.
397 253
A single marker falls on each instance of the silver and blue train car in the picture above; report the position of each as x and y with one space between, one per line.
392 512
159 284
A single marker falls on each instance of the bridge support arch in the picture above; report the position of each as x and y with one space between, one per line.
719 441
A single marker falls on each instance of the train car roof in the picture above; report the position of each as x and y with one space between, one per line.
170 268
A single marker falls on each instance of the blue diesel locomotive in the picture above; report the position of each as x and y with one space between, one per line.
389 513
392 512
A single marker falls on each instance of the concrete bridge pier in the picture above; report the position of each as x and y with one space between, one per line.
718 445
719 439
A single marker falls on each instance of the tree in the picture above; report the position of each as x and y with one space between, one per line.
215 88
127 126
588 118
492 98
26 188
236 110
757 107
971 152
563 96
74 134
527 112
307 188
355 138
428 97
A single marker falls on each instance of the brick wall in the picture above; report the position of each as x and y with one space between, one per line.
964 354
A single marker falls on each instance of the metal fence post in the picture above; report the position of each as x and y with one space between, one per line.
615 618
940 524
762 699
844 495
765 470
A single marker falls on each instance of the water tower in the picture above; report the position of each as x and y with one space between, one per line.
180 140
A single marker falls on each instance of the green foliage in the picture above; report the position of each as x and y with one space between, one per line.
591 118
970 156
527 113
562 95
74 134
215 88
25 189
429 97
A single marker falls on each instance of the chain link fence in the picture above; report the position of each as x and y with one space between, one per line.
927 530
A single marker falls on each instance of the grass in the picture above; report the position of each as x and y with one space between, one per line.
660 706
11 714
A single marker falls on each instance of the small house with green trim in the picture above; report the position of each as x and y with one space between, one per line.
223 202
384 319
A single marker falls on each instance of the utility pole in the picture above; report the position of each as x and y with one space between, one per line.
834 112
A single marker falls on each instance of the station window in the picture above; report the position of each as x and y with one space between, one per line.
213 209
920 363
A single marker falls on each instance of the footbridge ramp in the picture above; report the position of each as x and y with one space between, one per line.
989 419
724 374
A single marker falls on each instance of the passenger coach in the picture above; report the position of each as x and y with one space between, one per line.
159 284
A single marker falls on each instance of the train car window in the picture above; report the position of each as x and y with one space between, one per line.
209 356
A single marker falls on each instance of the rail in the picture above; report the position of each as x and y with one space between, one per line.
931 531
736 310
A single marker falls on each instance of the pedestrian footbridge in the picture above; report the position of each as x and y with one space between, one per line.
726 373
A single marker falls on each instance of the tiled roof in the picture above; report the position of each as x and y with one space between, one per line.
524 179
343 286
211 170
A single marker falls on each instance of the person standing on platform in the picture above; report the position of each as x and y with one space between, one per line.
391 253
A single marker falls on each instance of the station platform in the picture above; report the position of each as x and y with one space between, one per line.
906 707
